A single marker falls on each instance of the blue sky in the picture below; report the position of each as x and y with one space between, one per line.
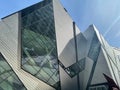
105 14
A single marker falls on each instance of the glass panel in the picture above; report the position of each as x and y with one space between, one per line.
99 87
94 48
75 68
31 9
8 78
93 88
39 53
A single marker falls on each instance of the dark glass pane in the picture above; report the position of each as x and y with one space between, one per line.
39 53
31 9
75 68
8 78
99 87
94 48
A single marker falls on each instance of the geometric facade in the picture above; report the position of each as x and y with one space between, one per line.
39 52
45 50
8 79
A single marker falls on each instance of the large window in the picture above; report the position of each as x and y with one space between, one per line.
39 54
8 78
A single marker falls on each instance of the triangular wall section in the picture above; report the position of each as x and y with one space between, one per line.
101 67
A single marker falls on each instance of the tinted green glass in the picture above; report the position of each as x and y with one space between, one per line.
8 78
39 54
76 68
99 87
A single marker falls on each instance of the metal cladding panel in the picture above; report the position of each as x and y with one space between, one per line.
81 46
65 44
109 64
112 60
88 34
67 83
64 34
117 55
101 67
116 73
9 28
84 75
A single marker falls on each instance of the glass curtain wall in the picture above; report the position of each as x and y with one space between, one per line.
8 78
99 87
39 53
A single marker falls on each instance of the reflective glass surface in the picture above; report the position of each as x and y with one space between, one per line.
8 78
39 54
94 48
99 87
75 68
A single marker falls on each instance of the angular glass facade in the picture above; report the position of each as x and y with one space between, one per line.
94 48
8 78
76 68
39 53
84 58
99 87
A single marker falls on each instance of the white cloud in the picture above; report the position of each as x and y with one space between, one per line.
112 25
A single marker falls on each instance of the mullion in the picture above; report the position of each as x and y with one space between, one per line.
52 44
56 58
41 19
8 82
42 75
49 69
47 33
25 60
35 52
35 22
45 80
47 40
33 47
41 68
47 73
16 78
40 39
23 38
44 7
48 29
31 66
5 68
37 41
6 71
51 77
6 78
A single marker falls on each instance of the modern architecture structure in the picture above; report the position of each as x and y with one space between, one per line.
42 49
